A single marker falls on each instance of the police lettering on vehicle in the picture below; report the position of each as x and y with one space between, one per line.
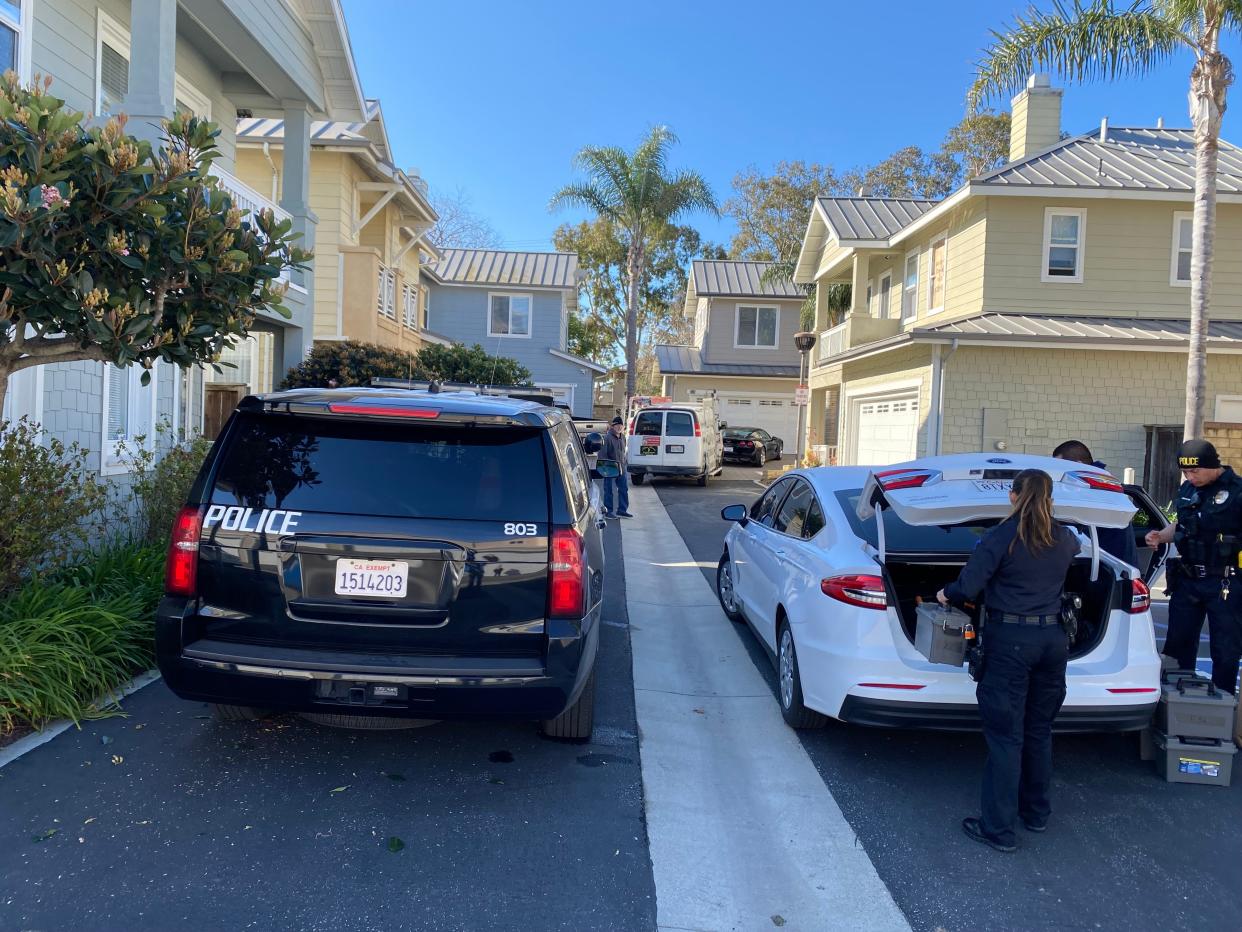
236 518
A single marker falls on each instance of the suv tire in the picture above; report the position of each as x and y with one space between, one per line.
724 589
578 721
789 684
235 713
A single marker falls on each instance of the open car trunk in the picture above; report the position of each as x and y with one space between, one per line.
910 577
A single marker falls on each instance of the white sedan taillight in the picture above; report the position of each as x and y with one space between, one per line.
1140 597
862 591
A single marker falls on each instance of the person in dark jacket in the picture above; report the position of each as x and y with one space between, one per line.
1019 567
1118 541
614 449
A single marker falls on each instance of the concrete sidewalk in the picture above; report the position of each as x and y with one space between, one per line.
744 833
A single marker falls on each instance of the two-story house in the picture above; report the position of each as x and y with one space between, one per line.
1046 300
289 59
517 305
373 222
743 348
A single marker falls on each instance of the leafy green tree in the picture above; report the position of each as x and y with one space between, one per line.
588 338
604 288
638 194
771 210
1100 40
114 252
346 363
461 363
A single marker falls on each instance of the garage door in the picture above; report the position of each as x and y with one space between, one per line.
778 415
887 430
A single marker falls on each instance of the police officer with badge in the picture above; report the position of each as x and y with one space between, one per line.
1208 535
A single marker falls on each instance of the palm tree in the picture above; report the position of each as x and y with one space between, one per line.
1104 41
638 194
838 294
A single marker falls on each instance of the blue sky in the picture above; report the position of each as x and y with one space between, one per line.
496 97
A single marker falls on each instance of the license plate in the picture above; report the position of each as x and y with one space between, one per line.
648 450
994 485
728 449
377 579
675 448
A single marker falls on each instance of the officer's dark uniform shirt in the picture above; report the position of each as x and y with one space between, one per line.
1013 580
1205 514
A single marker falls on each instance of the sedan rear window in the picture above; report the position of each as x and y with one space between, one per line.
394 470
900 537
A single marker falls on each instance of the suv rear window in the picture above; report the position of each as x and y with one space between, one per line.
679 424
649 423
395 470
900 537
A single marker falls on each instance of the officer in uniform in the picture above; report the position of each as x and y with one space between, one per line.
1208 535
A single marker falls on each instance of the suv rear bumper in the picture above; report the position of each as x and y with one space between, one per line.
308 680
951 716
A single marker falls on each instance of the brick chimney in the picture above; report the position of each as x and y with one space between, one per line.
1035 118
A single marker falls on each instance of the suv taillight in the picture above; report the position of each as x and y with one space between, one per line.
862 591
1140 597
181 569
566 575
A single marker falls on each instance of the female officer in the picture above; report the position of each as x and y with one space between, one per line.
1020 567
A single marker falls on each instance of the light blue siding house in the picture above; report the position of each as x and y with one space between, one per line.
217 59
515 304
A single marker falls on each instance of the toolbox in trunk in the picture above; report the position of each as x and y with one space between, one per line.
1191 706
939 634
1194 760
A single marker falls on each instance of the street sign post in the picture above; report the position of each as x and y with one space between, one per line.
802 395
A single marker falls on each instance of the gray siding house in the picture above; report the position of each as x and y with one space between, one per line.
286 59
515 304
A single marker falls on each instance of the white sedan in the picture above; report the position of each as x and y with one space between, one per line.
828 566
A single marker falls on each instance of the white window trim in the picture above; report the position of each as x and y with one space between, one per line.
1216 415
905 264
110 31
530 316
1076 278
22 26
109 464
944 274
879 296
737 327
1178 217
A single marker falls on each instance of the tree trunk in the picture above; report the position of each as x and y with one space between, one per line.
1208 81
4 388
636 266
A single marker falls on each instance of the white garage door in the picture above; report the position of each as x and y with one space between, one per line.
887 430
776 414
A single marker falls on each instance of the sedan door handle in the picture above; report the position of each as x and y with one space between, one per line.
781 553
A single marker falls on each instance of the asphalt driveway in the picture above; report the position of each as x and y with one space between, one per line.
168 820
1125 850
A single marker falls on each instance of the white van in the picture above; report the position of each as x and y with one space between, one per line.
681 439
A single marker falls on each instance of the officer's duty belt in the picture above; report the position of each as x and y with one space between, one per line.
1006 618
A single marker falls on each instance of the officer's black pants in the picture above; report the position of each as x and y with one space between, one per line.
1191 601
1020 694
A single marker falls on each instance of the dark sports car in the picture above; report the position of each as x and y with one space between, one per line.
752 445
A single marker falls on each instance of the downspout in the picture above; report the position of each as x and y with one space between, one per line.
267 154
940 360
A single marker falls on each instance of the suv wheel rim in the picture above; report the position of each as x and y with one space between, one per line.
787 668
725 584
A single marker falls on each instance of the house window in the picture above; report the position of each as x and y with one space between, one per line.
886 290
1183 235
386 293
128 414
409 306
112 72
15 37
509 316
910 287
936 269
424 297
757 327
1063 239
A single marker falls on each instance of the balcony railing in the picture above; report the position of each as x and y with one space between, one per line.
249 201
386 293
831 343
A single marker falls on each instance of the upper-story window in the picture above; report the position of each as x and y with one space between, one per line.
112 72
15 37
886 294
1183 238
757 327
424 302
910 287
937 269
1063 244
509 315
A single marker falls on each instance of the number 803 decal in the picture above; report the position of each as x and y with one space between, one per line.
522 530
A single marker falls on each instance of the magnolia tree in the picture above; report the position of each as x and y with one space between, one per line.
112 251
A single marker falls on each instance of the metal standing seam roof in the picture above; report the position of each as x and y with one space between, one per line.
738 279
1054 327
687 360
872 218
498 267
1132 159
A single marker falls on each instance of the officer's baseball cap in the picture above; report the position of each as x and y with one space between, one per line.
1198 454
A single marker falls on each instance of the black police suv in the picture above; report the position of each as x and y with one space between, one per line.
379 552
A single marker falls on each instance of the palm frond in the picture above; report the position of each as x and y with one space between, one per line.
687 191
1084 43
589 195
778 272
